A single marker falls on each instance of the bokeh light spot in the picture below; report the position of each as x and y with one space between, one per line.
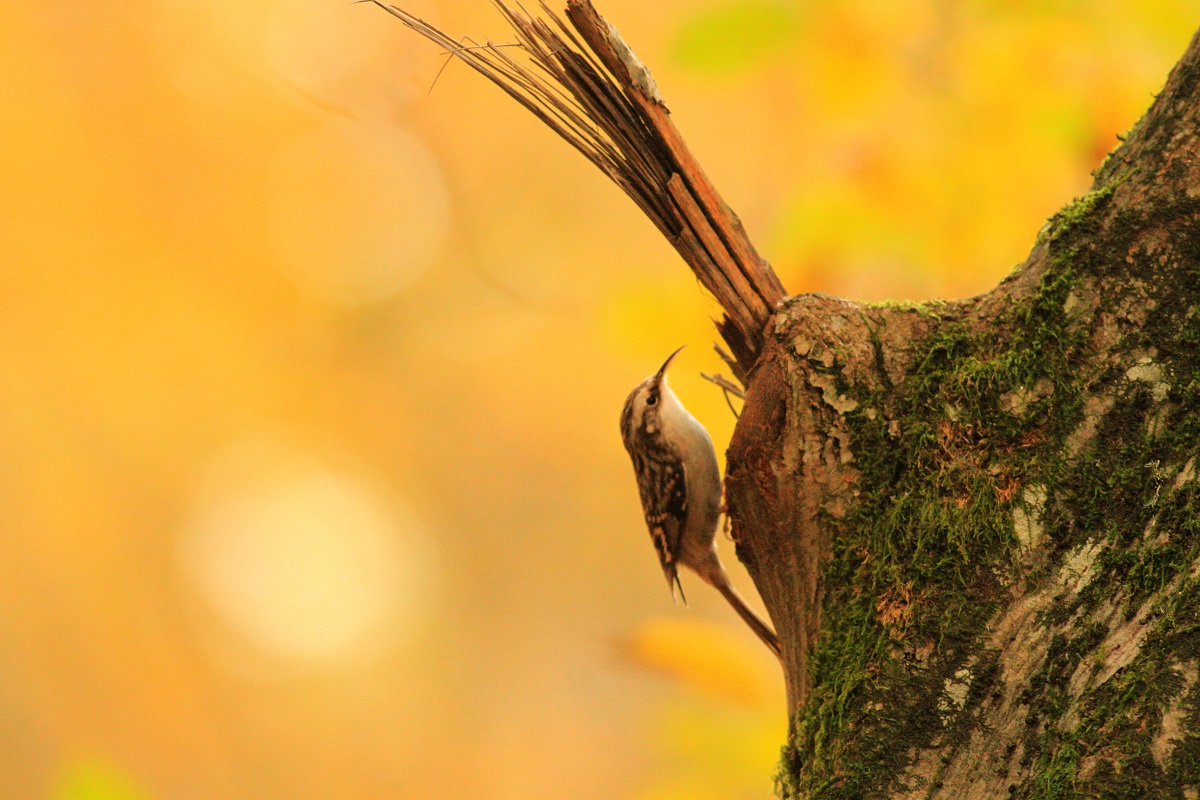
302 560
317 43
357 212
92 778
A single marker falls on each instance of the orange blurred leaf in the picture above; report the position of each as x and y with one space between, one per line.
705 657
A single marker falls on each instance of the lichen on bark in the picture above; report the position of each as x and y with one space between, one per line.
975 524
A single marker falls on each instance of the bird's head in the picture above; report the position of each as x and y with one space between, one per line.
643 407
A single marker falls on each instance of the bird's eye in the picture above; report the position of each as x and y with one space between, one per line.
652 400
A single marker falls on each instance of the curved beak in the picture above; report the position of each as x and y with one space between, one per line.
662 371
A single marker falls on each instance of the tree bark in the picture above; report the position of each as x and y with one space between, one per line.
976 525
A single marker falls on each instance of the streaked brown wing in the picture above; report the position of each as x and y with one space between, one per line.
664 501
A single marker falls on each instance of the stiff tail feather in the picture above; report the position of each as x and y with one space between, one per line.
672 573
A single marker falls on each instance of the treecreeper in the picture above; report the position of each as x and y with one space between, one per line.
679 482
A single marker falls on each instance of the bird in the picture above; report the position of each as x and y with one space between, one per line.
680 487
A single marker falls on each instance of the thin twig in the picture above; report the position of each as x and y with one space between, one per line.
726 384
450 54
728 387
728 359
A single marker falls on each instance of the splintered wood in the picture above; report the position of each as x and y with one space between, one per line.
585 83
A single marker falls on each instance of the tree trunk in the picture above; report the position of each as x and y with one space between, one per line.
976 525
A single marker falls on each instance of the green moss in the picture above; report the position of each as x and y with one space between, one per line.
911 580
1121 494
921 563
928 308
1081 210
1055 778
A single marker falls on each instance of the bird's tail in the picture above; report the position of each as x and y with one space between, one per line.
720 582
672 573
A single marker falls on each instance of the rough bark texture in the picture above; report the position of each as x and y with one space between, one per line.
976 525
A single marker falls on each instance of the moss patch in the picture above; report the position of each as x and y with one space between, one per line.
914 572
976 431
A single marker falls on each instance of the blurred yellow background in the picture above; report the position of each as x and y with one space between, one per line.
310 479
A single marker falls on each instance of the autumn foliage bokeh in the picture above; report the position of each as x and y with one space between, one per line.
310 482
